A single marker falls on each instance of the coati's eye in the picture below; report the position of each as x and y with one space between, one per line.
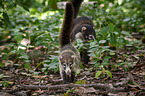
64 65
70 64
86 37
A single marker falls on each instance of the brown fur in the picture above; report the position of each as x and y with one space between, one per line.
79 25
76 6
69 58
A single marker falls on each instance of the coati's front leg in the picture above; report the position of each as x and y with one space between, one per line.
72 77
67 78
64 77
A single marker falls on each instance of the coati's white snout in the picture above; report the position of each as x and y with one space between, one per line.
68 71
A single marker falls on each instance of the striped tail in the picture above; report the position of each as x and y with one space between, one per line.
67 25
76 4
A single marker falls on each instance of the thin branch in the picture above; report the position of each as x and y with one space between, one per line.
106 87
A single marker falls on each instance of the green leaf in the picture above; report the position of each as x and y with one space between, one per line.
98 74
5 56
24 56
111 27
104 30
39 64
126 33
109 73
113 39
18 36
27 66
2 64
119 32
103 70
107 57
1 76
102 41
6 18
81 66
129 64
53 4
80 82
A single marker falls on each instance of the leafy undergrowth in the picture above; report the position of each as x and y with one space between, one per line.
12 76
30 42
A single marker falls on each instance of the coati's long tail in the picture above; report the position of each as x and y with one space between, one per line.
76 4
67 25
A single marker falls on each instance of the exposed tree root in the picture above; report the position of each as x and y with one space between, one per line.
98 86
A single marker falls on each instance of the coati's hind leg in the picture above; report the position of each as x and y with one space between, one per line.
84 57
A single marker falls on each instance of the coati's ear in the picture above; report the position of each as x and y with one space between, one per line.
73 56
83 29
60 57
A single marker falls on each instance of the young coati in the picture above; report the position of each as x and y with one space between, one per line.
83 28
69 58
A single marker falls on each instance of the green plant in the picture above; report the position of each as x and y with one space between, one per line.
103 71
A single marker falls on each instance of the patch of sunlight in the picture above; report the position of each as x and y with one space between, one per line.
86 0
44 15
39 1
125 10
120 2
107 10
48 13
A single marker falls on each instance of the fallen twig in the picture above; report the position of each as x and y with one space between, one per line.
98 86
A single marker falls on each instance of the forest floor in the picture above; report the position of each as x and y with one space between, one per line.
18 81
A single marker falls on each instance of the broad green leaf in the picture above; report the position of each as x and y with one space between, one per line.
119 32
102 41
109 73
27 66
24 56
105 63
6 18
5 56
81 66
129 64
113 39
107 57
126 33
44 69
111 27
1 76
18 36
2 64
104 30
98 74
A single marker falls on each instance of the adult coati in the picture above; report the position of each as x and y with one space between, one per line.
69 58
83 28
